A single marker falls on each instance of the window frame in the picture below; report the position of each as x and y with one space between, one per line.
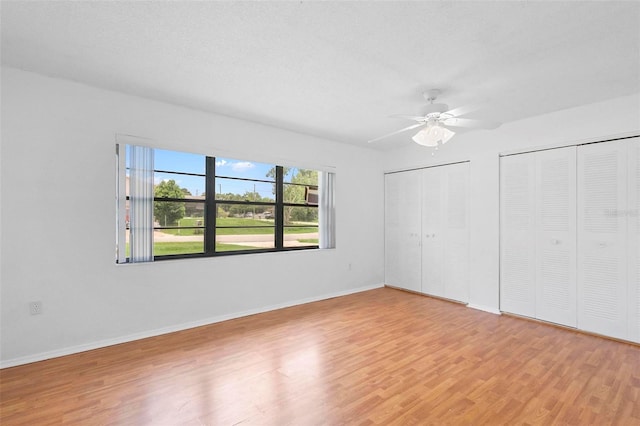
210 202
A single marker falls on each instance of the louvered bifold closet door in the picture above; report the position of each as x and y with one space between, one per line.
432 235
402 230
633 226
602 242
456 228
555 172
517 234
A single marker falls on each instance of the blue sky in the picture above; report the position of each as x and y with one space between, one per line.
195 163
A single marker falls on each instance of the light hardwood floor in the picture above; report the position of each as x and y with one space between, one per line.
378 357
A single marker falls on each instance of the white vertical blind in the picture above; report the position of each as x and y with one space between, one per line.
327 210
602 238
141 203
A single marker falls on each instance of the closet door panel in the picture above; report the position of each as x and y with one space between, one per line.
456 228
402 230
432 236
633 240
392 224
517 235
556 236
602 242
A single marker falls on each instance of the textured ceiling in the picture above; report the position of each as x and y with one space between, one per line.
336 69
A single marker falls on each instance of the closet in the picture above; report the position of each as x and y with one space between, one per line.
569 236
427 230
608 258
403 230
538 235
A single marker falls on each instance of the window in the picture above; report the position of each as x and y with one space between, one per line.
176 204
179 181
246 207
300 210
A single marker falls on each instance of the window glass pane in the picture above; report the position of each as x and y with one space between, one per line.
127 183
245 215
193 212
170 185
294 194
228 167
231 239
167 244
127 217
244 190
300 236
300 216
304 176
186 237
251 232
298 194
185 225
168 213
174 161
127 158
127 236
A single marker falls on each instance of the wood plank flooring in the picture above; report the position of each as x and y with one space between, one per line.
379 357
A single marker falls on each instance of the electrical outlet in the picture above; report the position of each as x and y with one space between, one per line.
35 308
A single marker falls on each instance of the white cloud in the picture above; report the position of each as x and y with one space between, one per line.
242 166
220 163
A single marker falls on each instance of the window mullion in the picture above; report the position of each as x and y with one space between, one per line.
210 207
279 232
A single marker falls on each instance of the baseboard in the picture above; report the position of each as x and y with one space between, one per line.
484 308
178 327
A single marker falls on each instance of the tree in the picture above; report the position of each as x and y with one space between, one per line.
296 194
168 212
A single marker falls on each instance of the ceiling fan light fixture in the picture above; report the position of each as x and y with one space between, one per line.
435 119
432 135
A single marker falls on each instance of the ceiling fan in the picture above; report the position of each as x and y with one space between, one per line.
440 121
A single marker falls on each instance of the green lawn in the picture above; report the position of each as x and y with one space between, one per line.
186 221
300 230
309 240
161 249
251 227
244 231
241 221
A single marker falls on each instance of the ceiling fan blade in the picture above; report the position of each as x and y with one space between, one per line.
466 109
396 132
472 124
409 117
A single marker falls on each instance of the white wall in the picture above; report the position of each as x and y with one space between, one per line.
589 122
58 222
